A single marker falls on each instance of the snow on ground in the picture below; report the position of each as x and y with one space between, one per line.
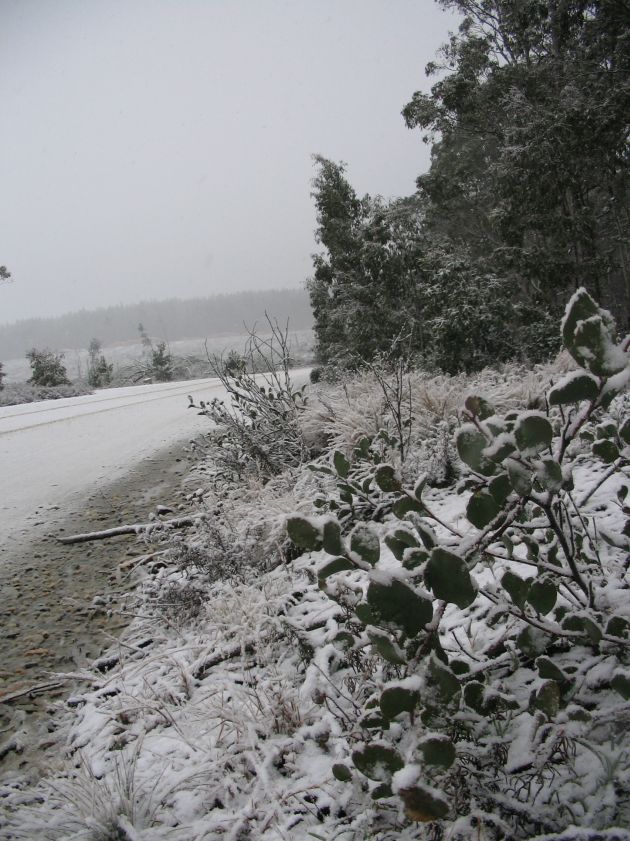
224 719
52 452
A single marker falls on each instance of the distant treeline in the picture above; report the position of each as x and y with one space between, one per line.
164 320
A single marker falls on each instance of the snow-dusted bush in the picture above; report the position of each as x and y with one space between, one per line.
500 701
257 431
47 368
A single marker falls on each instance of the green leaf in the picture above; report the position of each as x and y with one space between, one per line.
606 429
406 504
548 698
606 450
520 477
418 488
393 602
364 614
548 670
517 587
443 680
331 537
336 565
341 772
365 543
479 407
377 761
470 444
542 595
400 540
500 487
388 649
345 639
413 558
549 475
424 804
532 641
595 340
474 696
303 533
617 627
460 667
574 388
346 494
438 750
580 306
381 791
448 578
589 344
533 433
386 479
583 625
342 465
423 529
621 684
481 509
502 447
624 431
362 448
396 700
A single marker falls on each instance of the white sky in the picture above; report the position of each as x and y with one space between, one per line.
158 148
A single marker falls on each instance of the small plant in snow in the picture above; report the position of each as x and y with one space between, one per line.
258 431
502 697
100 371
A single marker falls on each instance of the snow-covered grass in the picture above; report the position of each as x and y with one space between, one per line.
232 698
14 394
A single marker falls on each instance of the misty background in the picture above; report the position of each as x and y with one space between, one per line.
162 148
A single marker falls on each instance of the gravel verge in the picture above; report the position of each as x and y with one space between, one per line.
63 605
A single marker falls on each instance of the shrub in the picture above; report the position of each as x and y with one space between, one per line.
100 371
258 431
504 648
47 367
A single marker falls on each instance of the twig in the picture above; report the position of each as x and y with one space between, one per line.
136 528
36 689
603 478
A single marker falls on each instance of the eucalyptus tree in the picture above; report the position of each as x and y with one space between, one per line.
530 121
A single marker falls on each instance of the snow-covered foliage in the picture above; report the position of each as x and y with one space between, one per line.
441 662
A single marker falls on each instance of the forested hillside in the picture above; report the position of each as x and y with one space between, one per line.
527 197
169 320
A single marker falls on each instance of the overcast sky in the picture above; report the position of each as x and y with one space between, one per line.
159 148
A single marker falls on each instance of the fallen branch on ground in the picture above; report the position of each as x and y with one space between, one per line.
30 691
135 528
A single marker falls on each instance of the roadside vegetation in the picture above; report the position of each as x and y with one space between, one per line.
400 606
408 621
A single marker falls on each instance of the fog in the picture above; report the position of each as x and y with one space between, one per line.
160 148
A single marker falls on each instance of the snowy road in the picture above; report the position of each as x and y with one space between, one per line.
54 452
